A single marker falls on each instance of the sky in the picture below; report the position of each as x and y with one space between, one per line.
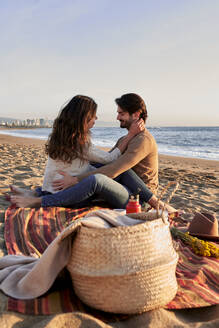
165 51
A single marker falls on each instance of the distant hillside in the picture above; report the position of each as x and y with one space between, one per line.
106 124
8 119
97 123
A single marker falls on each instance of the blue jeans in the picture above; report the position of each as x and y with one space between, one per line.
115 192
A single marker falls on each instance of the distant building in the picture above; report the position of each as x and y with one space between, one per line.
27 123
42 122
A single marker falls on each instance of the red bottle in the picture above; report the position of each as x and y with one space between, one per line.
133 205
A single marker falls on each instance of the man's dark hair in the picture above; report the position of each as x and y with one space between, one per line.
132 103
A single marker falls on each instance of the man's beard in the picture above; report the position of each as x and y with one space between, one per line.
125 124
122 125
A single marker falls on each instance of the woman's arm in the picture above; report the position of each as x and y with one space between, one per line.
97 155
69 181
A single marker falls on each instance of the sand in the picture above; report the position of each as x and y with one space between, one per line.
22 162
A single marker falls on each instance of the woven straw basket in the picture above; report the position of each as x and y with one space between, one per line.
127 269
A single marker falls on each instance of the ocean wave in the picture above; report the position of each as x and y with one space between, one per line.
195 142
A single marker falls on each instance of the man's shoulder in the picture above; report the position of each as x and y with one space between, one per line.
144 136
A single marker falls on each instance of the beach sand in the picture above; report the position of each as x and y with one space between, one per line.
22 162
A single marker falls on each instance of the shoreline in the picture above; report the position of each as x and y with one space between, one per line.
194 149
35 141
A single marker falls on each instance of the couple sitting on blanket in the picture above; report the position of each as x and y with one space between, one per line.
71 181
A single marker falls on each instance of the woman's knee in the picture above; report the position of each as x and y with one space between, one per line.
100 178
103 182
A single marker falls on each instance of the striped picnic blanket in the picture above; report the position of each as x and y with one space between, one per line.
30 231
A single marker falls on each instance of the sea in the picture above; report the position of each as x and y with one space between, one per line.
195 142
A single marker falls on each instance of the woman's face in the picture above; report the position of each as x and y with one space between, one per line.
91 122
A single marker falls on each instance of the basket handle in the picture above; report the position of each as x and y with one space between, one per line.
170 196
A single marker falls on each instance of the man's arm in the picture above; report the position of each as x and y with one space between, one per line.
132 157
138 148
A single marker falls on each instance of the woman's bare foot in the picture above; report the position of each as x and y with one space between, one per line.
22 192
24 201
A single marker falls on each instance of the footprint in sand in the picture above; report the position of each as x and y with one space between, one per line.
211 177
22 168
21 176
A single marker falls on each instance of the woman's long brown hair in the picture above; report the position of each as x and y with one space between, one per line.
70 136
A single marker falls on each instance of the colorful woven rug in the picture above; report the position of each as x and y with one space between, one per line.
30 231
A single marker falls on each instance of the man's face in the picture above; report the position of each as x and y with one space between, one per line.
125 118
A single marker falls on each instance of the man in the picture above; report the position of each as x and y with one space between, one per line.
141 154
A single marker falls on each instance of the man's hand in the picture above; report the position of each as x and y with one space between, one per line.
66 182
136 127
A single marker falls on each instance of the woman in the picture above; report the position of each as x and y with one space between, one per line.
70 150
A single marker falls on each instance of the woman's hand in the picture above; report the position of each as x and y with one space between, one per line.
64 183
136 127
